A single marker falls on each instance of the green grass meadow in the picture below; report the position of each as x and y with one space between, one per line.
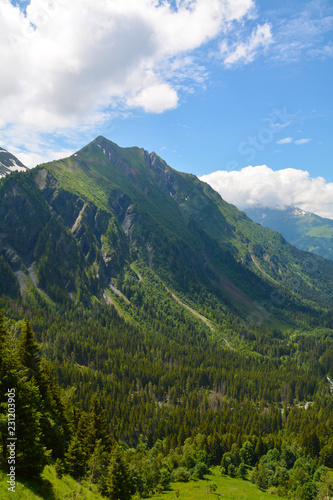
53 488
227 488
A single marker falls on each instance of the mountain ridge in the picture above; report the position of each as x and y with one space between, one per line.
305 230
106 209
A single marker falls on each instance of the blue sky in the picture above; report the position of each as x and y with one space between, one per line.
210 85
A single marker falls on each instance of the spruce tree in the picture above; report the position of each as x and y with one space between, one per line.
30 458
118 484
4 382
98 426
55 426
76 459
98 463
3 332
28 350
30 454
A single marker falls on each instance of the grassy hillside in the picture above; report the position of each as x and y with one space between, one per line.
49 488
53 488
215 486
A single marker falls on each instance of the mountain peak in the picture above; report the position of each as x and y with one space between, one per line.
101 140
155 162
131 161
9 163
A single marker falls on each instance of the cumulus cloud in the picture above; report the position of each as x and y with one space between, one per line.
155 99
72 62
262 186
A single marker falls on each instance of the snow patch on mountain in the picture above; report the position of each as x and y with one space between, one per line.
9 164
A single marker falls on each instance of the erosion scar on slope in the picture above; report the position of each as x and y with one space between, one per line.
195 313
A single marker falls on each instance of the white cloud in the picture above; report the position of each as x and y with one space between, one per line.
31 159
302 141
155 99
71 62
307 34
245 52
260 185
286 140
293 34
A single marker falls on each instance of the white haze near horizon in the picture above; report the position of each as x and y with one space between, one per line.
259 185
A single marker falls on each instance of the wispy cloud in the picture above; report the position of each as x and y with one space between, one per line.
302 141
289 140
293 34
245 52
307 34
286 140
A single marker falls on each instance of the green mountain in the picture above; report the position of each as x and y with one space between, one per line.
181 334
92 225
304 230
9 164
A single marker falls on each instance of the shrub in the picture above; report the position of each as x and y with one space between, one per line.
181 475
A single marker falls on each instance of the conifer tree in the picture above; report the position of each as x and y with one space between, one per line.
98 425
76 459
55 426
98 463
3 384
30 454
118 484
30 458
3 331
310 442
28 350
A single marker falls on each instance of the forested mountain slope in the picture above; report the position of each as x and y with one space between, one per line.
75 229
181 330
302 229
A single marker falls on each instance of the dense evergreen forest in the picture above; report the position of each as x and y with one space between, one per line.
145 407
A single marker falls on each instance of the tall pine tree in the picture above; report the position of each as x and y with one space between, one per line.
28 350
118 484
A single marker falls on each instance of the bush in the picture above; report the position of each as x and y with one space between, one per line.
181 475
165 477
59 469
232 470
262 477
200 470
211 488
241 470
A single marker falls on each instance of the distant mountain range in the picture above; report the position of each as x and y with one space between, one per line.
9 163
302 229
